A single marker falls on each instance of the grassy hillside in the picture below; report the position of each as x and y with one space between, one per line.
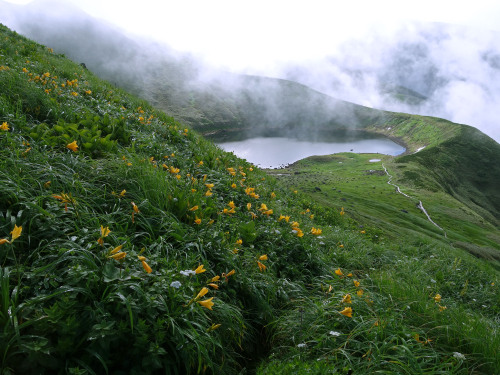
361 187
130 244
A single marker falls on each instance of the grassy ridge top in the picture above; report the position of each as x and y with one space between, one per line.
149 250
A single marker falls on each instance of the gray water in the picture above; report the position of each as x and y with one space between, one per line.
273 152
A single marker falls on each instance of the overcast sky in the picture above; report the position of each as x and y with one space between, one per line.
259 34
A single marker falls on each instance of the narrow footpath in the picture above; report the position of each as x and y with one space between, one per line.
420 206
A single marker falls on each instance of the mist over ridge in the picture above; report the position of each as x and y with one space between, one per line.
428 68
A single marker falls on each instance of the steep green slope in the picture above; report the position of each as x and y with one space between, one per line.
466 166
149 250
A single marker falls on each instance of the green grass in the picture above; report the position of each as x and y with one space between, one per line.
170 196
361 187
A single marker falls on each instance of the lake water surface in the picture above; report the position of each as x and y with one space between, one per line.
273 152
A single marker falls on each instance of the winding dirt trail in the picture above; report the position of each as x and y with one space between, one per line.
420 206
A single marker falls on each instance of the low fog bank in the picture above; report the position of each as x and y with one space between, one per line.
125 60
430 69
181 85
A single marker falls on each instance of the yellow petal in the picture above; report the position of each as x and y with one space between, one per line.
16 232
207 303
118 256
215 278
116 249
346 298
347 312
72 146
105 231
202 292
4 241
146 267
200 269
134 206
141 258
213 327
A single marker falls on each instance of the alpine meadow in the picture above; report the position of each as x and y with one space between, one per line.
131 244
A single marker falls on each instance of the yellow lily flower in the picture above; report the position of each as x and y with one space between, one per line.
262 267
105 231
356 283
437 298
146 267
4 241
200 269
346 299
16 232
215 286
116 249
207 303
298 232
118 256
4 127
347 312
213 327
338 272
316 231
215 279
263 257
194 208
72 146
202 292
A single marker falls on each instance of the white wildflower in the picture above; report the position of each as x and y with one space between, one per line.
302 345
175 284
188 272
334 333
458 355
